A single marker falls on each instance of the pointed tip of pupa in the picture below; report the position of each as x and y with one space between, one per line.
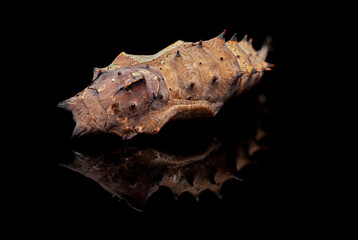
244 39
233 38
270 65
222 35
68 104
64 105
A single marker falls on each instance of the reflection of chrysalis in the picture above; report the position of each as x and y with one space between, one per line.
141 93
133 174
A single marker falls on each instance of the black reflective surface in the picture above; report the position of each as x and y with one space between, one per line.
65 184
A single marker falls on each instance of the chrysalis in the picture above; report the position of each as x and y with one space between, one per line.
141 93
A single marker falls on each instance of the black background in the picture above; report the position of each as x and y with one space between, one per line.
68 42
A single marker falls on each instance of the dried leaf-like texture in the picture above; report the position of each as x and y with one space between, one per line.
141 93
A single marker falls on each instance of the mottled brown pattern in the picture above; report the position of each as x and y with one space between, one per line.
140 94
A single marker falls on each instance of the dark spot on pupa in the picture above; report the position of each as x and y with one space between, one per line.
239 74
115 108
221 58
200 44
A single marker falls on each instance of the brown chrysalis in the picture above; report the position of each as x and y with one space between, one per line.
141 93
